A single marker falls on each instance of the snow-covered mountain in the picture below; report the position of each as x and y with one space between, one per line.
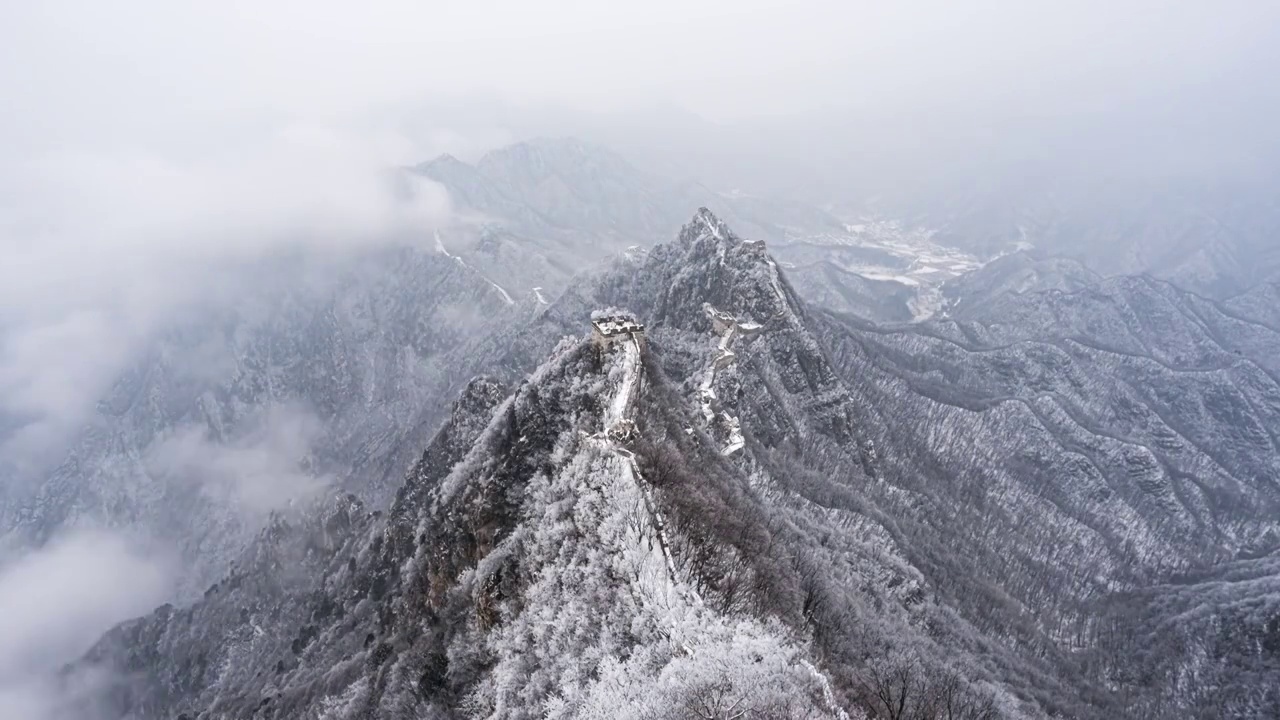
1088 442
1008 277
1215 238
306 375
533 214
765 510
313 380
541 206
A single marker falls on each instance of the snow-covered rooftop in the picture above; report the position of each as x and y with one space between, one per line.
611 326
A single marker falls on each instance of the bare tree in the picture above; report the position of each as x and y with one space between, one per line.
953 699
717 701
895 691
907 689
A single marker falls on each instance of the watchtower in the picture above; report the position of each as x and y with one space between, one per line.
605 331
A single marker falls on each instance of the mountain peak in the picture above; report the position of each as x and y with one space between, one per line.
710 263
443 160
541 150
706 226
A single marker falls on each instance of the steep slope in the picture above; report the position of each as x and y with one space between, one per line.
1006 278
1114 439
1214 637
813 451
1022 468
524 571
535 213
992 514
1216 237
330 380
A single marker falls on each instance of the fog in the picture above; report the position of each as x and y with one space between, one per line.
152 148
55 601
262 471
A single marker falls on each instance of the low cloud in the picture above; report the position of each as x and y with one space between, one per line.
133 199
75 695
55 602
268 467
104 248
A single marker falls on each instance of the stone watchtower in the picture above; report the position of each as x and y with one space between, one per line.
606 331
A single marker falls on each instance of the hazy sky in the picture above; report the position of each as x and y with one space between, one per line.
191 80
185 82
113 70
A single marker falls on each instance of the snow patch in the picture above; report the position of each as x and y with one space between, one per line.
729 328
711 227
499 288
620 407
440 248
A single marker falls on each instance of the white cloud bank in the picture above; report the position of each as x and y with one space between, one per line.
102 248
150 152
56 601
267 468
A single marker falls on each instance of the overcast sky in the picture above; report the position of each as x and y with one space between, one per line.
186 81
112 70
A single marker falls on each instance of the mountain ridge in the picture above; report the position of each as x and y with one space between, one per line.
857 503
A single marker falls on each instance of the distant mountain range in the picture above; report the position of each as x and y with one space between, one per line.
531 214
849 471
816 516
1217 239
593 203
317 379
